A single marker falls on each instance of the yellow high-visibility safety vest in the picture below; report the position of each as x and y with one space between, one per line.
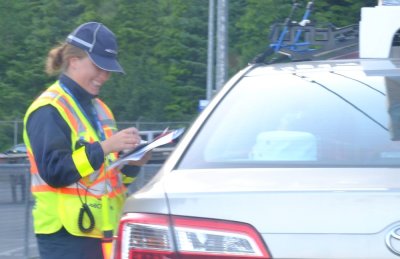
57 207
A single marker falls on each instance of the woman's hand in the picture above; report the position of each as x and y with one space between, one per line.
126 139
143 160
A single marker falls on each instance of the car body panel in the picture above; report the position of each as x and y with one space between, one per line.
332 193
287 206
285 200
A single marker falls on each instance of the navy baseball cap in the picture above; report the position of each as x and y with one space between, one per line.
99 43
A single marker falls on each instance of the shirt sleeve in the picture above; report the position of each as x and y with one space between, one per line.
131 170
50 138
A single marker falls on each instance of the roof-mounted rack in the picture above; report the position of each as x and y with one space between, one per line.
318 42
305 41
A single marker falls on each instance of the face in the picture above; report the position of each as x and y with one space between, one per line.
87 74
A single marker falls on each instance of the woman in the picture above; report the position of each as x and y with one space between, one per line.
71 137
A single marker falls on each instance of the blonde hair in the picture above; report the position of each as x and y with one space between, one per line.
57 58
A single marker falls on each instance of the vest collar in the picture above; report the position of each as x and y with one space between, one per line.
81 95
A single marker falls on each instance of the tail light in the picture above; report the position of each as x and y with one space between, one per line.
145 236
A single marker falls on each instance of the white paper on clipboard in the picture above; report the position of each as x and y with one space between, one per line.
136 154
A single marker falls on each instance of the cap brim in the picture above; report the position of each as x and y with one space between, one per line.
106 63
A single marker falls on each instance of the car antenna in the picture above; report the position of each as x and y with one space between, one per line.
308 79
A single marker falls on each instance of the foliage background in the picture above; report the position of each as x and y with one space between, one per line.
163 48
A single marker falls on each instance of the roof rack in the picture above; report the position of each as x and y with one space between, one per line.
305 41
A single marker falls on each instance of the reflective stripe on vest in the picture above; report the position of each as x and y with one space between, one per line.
91 187
80 127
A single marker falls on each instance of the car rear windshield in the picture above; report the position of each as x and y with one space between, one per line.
307 119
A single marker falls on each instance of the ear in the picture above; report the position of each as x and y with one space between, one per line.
73 62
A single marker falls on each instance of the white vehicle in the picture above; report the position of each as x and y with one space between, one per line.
293 160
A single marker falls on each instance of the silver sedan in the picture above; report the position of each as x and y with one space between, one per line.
296 160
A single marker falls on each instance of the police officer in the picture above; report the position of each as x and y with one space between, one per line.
71 137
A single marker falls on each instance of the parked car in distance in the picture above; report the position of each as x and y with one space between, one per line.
15 154
16 149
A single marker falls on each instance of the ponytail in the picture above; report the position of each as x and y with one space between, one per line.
57 58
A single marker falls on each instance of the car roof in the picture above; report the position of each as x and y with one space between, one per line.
387 67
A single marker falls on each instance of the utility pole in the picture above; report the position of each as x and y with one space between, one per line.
222 44
220 59
210 51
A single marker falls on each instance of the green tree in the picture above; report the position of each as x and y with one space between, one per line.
162 47
165 63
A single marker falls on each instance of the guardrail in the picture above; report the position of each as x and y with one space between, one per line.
17 240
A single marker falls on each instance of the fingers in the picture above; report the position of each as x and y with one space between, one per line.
131 130
133 136
143 160
126 139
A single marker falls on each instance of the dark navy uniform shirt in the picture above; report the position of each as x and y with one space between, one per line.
50 138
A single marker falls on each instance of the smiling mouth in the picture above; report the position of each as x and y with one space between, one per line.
96 84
